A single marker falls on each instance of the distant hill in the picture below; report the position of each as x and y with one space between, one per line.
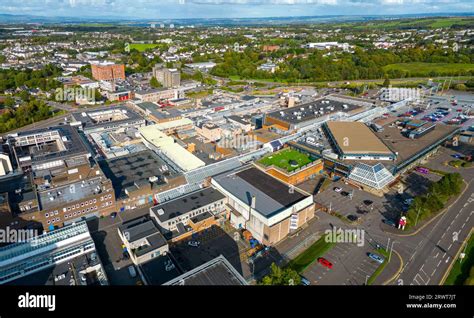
134 21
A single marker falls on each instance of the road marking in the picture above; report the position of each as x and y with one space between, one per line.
436 256
438 263
450 246
363 271
434 271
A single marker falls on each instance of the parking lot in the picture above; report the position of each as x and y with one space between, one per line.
351 266
464 104
350 201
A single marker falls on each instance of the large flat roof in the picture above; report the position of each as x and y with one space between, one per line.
409 148
174 124
128 170
271 195
186 203
39 149
102 117
311 110
356 138
69 193
218 272
156 272
182 157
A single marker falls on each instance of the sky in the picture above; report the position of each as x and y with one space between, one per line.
168 9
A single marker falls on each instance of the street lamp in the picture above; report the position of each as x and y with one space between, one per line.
417 214
391 249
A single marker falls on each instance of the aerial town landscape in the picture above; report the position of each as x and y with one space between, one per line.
291 151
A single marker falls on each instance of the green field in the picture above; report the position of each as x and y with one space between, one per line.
142 47
460 271
282 159
423 69
302 261
423 23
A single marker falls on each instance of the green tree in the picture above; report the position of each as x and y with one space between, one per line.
460 87
9 102
154 83
386 82
281 276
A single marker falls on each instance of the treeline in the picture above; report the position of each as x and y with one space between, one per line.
43 79
435 199
314 66
139 62
27 113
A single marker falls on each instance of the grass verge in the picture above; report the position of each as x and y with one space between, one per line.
306 258
380 268
460 271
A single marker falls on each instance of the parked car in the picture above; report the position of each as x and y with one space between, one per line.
325 262
305 281
368 202
344 193
132 271
353 218
194 243
113 215
389 222
376 257
337 189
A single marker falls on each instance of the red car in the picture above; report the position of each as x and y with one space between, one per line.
325 262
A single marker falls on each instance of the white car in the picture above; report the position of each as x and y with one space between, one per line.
194 243
337 189
132 271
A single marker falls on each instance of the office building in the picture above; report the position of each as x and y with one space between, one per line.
107 71
66 256
166 76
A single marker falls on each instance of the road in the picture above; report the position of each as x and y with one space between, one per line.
438 243
425 256
334 83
